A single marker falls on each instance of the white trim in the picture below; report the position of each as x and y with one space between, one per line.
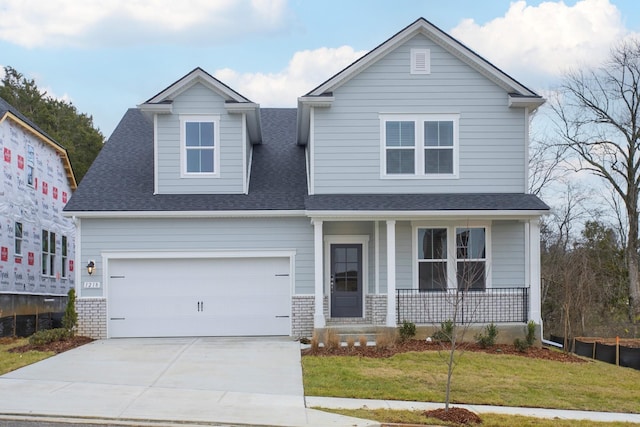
526 150
419 144
180 254
77 256
245 184
318 315
376 256
312 150
217 146
356 239
44 294
391 273
534 272
156 183
186 214
417 215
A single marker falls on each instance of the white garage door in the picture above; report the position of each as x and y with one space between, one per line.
198 297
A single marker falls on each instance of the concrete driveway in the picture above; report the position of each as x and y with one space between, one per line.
255 381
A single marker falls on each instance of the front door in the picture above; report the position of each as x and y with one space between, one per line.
346 280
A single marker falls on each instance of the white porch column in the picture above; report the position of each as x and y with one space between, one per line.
535 313
318 315
391 273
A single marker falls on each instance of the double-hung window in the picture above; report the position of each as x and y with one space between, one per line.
18 238
471 258
419 145
451 256
48 253
200 145
64 254
432 259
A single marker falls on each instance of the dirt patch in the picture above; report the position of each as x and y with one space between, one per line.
455 415
421 345
56 346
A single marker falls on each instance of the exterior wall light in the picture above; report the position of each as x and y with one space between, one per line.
91 267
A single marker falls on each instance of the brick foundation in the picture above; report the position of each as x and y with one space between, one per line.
92 317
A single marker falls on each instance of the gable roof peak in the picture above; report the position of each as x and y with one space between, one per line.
197 75
438 36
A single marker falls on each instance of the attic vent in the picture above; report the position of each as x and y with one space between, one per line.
420 61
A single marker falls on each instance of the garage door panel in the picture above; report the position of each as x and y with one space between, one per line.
199 297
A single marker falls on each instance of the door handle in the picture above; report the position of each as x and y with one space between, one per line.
331 283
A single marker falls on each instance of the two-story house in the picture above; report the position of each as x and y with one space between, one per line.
395 184
37 243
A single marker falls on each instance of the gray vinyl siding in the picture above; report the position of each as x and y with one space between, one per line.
508 254
347 147
199 234
199 100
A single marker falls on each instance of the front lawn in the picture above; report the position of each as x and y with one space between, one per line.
479 378
12 361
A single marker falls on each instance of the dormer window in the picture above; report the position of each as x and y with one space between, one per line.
200 145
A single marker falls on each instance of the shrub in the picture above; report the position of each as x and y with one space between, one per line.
47 336
386 339
530 333
70 318
331 339
315 343
488 339
520 345
362 340
445 333
351 342
407 330
529 337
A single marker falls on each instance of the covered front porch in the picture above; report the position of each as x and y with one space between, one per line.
372 272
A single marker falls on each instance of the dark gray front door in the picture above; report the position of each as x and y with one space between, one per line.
346 280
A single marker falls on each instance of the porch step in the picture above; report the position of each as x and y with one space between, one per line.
355 331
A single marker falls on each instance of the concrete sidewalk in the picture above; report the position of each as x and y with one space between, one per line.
336 402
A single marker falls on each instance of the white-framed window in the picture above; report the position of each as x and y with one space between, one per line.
449 256
471 258
64 256
17 232
30 166
200 145
48 253
432 259
424 146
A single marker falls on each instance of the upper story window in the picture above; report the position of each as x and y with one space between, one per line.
200 145
31 161
419 146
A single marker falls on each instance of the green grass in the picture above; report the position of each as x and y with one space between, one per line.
12 361
479 378
488 420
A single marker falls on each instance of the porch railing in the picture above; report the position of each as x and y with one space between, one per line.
496 305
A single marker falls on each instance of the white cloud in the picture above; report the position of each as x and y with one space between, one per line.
306 70
36 23
549 38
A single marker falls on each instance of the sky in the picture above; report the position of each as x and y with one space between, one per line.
106 56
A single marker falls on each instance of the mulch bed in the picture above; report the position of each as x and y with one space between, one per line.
454 415
56 346
422 345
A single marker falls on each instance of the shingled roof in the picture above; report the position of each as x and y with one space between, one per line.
121 177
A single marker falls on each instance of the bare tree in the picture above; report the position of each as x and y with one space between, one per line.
598 118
